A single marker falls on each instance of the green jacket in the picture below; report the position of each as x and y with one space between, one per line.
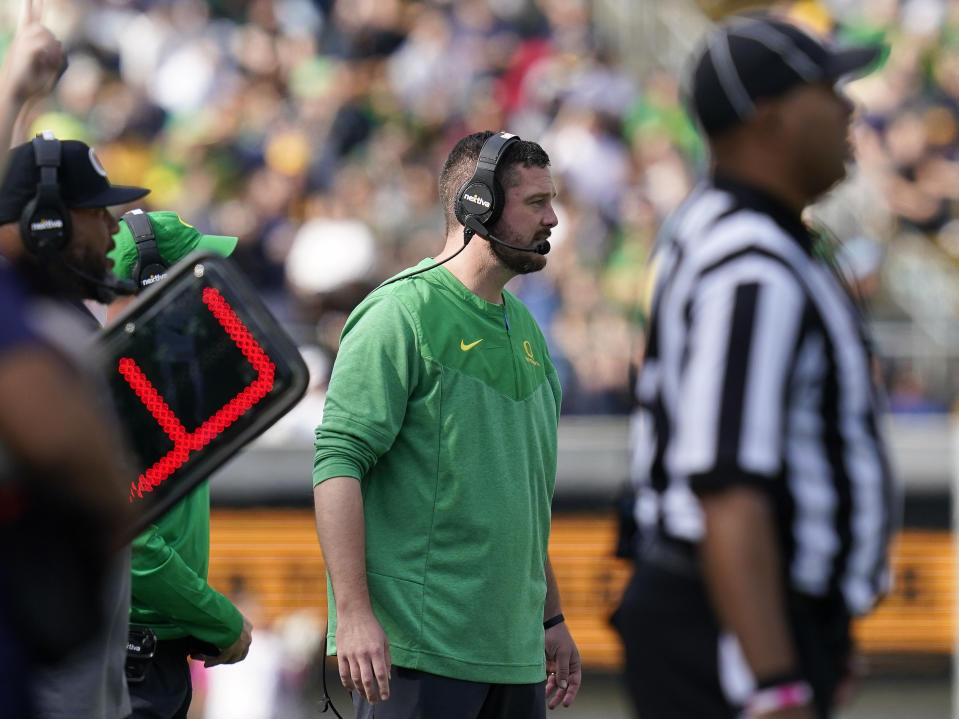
445 407
170 593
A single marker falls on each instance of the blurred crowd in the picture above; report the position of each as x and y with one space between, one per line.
281 677
314 131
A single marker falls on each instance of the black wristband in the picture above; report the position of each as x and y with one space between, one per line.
553 621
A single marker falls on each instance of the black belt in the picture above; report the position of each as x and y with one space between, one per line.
673 555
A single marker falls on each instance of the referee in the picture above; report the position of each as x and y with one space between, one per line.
764 496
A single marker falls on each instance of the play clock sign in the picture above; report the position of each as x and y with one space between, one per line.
197 367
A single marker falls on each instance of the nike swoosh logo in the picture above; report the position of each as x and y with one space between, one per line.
466 347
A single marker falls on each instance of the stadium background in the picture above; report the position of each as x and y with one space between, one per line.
314 130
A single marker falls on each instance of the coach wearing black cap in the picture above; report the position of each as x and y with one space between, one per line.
764 497
54 220
55 232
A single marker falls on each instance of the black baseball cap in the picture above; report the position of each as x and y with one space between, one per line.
81 178
759 56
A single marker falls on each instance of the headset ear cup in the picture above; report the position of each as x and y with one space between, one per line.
482 197
475 199
39 240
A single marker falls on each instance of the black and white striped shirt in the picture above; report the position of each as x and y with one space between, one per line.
757 371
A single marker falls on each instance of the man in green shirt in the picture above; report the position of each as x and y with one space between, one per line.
435 465
170 594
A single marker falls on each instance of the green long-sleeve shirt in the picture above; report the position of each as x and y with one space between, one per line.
170 593
445 407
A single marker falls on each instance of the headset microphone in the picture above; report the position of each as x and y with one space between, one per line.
473 224
109 289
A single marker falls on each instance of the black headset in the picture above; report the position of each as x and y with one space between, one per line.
481 197
149 266
45 220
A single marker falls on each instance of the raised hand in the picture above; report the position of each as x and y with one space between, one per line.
34 59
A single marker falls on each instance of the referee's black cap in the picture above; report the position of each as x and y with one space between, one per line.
760 56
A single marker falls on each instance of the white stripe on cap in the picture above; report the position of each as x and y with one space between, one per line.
722 59
782 45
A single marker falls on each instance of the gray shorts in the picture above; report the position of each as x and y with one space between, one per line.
419 695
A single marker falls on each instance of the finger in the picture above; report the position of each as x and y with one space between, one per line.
561 667
560 678
555 697
368 678
356 677
28 13
572 689
381 671
550 685
346 678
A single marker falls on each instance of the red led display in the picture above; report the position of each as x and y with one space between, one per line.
185 443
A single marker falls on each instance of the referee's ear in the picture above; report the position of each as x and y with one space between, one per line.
767 121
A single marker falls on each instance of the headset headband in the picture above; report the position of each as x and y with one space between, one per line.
46 153
149 266
140 226
493 150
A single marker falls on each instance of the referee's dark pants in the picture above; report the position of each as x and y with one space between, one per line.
421 695
14 669
671 640
166 689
